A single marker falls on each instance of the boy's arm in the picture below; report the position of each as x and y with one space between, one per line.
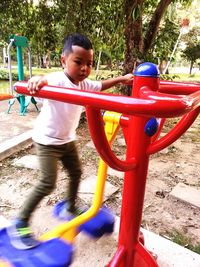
36 83
126 79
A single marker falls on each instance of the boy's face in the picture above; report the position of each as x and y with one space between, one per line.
78 64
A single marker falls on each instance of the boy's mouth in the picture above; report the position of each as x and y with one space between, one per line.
83 76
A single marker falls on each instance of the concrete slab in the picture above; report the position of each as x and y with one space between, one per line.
15 144
90 144
98 253
88 186
121 141
113 172
170 254
188 194
28 161
3 222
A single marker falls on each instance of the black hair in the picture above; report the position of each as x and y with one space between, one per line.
76 39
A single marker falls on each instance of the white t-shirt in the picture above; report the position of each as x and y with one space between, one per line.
57 121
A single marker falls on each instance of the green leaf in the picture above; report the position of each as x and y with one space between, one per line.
136 13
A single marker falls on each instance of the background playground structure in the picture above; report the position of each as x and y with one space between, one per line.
18 42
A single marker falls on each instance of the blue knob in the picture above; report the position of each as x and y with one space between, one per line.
147 69
151 127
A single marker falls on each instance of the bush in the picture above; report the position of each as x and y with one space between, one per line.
169 77
4 75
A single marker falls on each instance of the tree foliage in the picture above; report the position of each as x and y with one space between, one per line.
146 18
192 51
124 30
16 17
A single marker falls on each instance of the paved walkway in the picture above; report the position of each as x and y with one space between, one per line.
15 129
13 124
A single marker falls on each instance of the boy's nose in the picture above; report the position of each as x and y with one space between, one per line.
84 67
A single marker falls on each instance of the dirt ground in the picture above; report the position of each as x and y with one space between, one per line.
162 214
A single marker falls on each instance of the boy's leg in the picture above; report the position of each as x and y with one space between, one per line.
72 163
21 236
47 159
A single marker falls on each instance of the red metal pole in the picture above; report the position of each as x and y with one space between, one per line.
134 184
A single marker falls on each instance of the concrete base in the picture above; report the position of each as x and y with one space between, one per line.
169 253
97 253
15 144
187 194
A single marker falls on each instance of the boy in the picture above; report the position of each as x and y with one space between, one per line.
54 132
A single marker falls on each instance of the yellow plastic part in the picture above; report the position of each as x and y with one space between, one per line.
67 231
4 264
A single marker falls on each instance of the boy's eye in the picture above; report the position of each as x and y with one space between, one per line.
78 62
89 65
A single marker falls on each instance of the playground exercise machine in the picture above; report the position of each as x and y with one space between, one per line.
19 42
141 118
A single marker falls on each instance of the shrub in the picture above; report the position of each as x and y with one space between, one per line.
4 75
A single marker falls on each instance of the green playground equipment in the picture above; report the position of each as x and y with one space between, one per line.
20 42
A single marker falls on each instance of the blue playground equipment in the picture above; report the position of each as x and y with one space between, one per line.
101 224
19 42
52 253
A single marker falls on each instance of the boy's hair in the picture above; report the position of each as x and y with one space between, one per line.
75 39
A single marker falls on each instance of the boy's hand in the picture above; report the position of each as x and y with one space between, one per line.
36 83
127 79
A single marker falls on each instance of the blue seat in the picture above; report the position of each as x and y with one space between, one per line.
52 253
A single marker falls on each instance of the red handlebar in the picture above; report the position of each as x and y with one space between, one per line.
148 101
153 104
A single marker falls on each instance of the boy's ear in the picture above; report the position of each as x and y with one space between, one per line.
62 60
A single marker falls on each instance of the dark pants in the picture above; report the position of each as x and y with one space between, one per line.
48 157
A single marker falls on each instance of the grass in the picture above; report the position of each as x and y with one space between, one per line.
188 78
4 84
184 241
39 71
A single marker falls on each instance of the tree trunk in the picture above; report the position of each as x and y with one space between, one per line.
133 34
98 64
136 48
191 66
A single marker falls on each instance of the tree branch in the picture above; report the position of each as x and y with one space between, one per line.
154 24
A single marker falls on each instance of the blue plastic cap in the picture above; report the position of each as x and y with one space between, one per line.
151 127
147 69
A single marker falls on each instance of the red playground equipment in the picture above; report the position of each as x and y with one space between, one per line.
141 120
